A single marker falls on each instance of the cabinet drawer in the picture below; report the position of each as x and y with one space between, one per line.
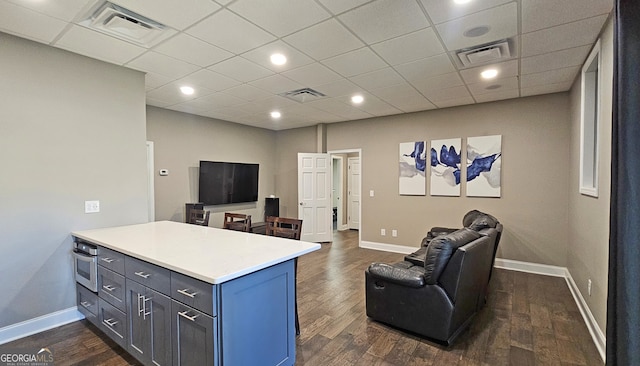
113 322
148 274
111 259
111 287
87 303
195 293
194 337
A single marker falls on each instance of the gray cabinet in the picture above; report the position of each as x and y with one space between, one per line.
195 336
149 316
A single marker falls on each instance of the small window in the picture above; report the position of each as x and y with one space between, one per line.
589 123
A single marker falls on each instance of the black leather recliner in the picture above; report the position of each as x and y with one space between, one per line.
439 299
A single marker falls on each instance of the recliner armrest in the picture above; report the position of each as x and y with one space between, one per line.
399 275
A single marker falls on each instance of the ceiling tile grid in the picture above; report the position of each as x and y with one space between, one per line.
400 55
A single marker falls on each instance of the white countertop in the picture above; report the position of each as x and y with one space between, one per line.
208 254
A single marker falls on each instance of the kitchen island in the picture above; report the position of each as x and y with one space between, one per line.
179 294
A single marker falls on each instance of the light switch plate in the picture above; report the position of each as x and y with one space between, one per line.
91 206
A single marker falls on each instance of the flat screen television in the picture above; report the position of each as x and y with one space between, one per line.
222 183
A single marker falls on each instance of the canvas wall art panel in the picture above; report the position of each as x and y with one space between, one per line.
411 173
445 167
484 165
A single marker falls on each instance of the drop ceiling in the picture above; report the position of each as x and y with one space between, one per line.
400 55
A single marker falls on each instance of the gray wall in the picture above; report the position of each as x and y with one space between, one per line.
588 249
71 129
181 140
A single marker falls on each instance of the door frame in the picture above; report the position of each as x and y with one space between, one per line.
359 151
338 160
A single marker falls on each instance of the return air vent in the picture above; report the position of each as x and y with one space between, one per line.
490 53
303 95
125 24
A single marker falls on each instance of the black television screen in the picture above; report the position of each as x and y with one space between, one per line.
223 183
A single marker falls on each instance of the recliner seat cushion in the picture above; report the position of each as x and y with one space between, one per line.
441 249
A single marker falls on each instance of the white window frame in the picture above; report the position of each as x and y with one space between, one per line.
590 122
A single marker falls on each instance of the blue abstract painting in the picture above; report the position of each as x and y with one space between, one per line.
484 165
445 163
413 162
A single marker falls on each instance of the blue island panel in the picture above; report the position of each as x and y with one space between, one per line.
258 317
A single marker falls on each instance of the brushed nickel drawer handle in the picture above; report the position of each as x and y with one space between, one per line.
184 315
110 322
108 260
109 288
86 304
185 292
142 274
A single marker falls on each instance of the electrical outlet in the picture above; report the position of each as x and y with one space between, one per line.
91 206
589 286
394 233
383 232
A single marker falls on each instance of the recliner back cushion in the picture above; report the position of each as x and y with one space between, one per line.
441 249
468 218
483 221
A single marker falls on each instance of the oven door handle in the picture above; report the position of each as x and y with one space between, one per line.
84 257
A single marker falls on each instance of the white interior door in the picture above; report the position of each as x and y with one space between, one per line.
353 186
314 196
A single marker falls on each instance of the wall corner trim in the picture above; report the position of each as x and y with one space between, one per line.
39 324
388 247
599 339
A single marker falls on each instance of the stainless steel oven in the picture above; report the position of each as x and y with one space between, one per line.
85 260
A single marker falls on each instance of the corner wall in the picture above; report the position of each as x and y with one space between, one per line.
71 129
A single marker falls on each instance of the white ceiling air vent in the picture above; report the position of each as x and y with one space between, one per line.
490 53
303 95
122 23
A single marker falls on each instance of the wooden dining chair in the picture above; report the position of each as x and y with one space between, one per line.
237 222
199 217
284 227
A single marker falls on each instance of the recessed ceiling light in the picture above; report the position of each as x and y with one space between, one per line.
357 99
275 114
186 90
489 73
460 2
278 59
494 87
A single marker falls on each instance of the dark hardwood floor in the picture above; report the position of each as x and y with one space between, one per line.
528 320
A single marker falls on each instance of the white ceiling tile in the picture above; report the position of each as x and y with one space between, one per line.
248 92
241 69
494 86
268 104
455 102
157 103
438 95
433 84
281 17
546 89
561 37
376 107
337 107
164 65
404 97
97 45
505 70
65 10
262 56
502 22
440 10
324 40
177 14
550 77
192 50
230 32
539 14
153 81
231 111
216 100
29 24
355 62
338 88
277 84
315 113
340 6
425 68
384 19
498 95
312 75
554 60
171 93
378 79
409 47
209 79
187 107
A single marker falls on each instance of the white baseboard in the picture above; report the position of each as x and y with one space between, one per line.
542 269
39 324
388 247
